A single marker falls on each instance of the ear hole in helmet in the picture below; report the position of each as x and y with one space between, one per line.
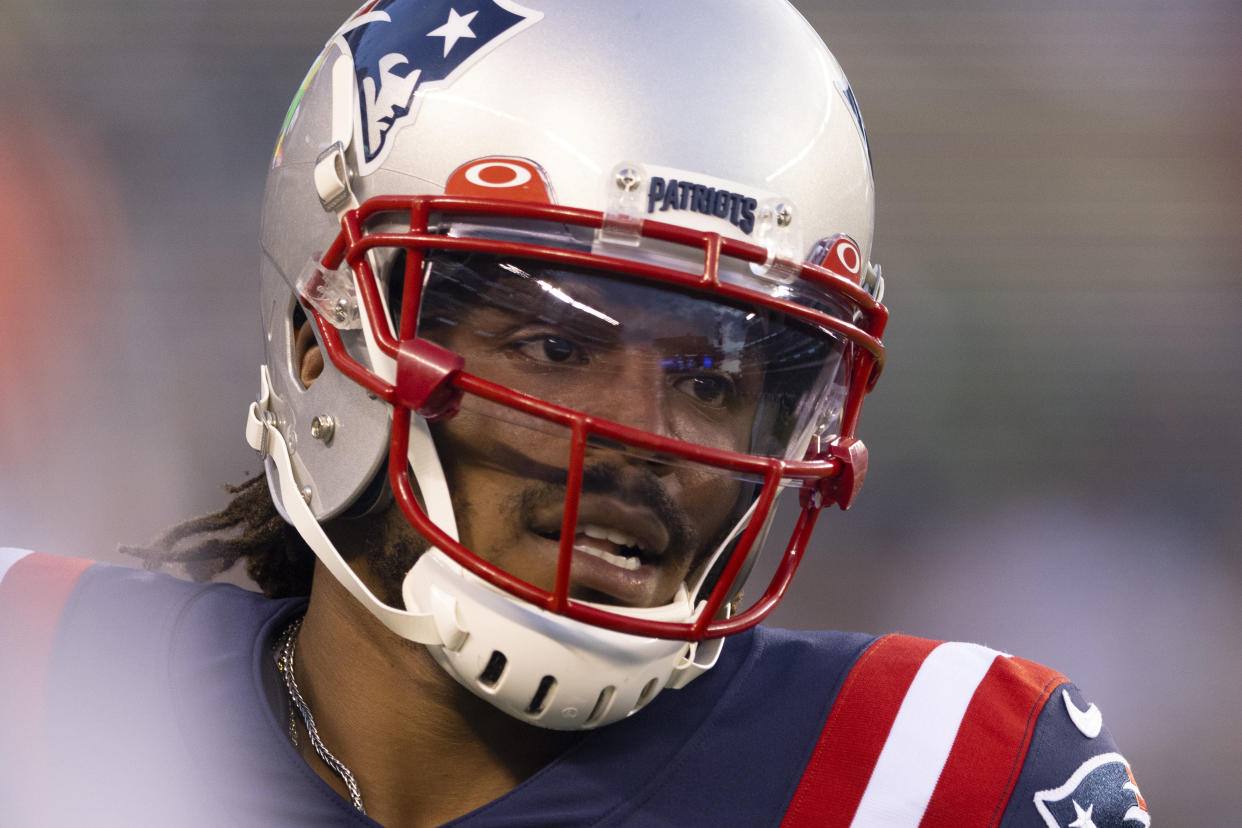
307 357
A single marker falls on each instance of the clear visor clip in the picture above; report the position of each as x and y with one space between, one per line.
624 200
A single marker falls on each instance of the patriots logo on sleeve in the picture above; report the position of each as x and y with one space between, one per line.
402 46
1101 793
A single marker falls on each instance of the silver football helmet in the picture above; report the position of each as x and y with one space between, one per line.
593 281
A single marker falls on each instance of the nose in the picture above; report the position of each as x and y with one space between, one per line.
635 396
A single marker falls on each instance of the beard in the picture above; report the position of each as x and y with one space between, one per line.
384 547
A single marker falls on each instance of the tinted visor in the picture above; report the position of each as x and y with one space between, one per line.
648 356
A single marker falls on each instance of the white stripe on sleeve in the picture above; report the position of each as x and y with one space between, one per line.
10 556
918 745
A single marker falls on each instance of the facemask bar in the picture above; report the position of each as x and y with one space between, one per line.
430 381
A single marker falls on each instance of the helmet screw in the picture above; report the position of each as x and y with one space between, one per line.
627 179
322 427
340 311
784 215
306 493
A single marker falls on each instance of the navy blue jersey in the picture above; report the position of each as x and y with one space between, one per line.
134 698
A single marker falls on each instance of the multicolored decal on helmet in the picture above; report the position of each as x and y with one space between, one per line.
1102 791
512 179
400 47
295 106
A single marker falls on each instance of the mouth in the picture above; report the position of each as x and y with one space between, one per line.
612 546
620 556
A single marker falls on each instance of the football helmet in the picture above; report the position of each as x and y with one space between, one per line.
594 284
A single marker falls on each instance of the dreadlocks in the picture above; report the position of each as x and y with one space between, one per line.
249 527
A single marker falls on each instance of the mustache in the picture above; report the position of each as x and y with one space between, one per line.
546 485
635 486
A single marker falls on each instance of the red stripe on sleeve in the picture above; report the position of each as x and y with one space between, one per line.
32 595
854 734
991 744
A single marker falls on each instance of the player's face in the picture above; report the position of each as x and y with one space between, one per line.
621 352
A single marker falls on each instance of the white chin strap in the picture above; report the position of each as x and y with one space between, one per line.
263 436
543 668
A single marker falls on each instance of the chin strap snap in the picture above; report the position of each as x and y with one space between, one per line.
332 184
331 171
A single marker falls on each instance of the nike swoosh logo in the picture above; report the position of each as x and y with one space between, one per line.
1087 721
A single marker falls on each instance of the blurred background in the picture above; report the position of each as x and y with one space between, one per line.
1056 449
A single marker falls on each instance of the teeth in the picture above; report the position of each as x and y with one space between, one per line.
616 560
612 535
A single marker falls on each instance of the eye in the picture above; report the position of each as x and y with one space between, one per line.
550 348
711 390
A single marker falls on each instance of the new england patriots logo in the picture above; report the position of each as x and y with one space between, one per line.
401 46
1101 792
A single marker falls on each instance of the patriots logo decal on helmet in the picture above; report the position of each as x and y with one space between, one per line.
432 44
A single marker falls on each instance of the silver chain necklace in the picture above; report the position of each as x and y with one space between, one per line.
284 662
